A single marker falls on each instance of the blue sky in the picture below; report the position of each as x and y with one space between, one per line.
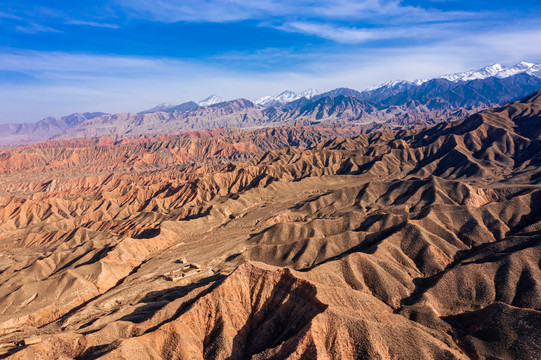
59 57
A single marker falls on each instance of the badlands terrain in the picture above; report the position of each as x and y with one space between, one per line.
293 242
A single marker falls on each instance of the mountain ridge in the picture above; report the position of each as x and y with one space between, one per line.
285 97
396 104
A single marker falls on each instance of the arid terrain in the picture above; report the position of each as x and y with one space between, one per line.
292 242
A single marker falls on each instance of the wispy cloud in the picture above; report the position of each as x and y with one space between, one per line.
42 19
92 24
35 28
54 66
343 21
354 35
235 10
5 15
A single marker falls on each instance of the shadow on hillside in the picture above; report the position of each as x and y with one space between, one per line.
155 301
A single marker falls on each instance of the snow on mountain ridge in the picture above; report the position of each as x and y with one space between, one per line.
309 93
393 83
497 70
211 100
160 107
285 97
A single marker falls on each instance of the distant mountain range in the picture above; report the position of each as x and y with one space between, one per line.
394 104
44 129
390 87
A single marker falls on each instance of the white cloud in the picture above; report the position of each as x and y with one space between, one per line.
353 35
336 33
44 62
4 15
34 28
235 10
342 21
92 24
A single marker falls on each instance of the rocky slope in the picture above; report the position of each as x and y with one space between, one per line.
410 244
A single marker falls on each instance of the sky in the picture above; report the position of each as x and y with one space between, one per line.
63 56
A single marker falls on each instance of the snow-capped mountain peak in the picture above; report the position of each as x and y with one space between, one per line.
285 97
392 83
530 68
497 70
523 65
309 93
211 100
160 107
493 69
487 71
397 84
165 106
